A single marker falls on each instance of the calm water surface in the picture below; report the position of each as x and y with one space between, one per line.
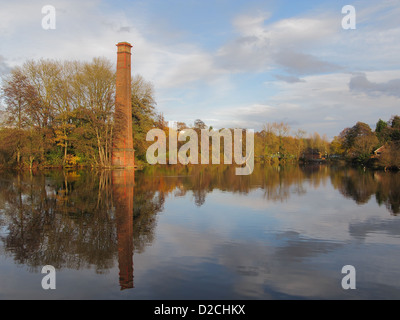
200 233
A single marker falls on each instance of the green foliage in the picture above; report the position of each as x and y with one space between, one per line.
55 157
395 122
359 143
381 131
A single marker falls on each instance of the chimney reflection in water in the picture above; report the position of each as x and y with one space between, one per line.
123 188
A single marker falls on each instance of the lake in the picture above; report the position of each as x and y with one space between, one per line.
201 232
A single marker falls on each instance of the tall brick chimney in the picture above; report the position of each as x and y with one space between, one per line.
123 152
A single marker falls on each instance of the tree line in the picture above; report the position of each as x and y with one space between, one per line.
61 113
277 143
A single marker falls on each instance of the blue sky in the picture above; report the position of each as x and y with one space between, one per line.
231 63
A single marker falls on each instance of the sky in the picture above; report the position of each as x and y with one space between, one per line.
230 63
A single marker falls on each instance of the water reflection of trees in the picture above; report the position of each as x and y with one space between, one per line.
277 183
361 185
388 191
70 219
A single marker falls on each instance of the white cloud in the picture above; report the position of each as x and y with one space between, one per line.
83 32
251 25
289 79
4 68
188 66
302 32
261 47
191 81
322 103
